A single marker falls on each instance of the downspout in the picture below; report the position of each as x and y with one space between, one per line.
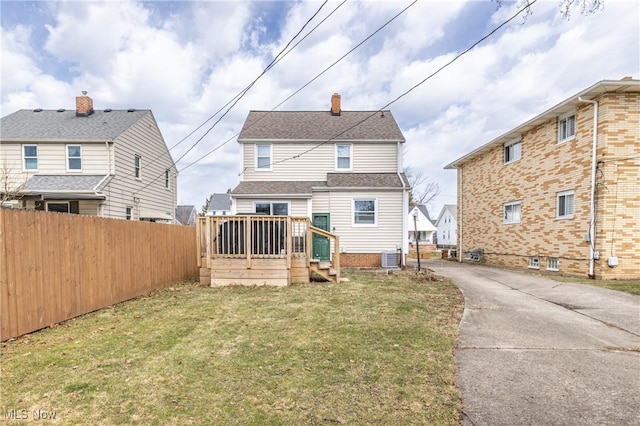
460 215
405 204
592 214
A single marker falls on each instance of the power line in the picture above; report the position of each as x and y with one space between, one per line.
241 94
307 84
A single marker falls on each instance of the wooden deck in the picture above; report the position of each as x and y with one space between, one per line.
262 250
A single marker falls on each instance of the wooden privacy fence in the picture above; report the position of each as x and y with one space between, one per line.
54 267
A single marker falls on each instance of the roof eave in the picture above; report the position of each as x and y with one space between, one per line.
604 86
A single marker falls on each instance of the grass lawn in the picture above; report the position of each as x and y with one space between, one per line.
628 286
376 350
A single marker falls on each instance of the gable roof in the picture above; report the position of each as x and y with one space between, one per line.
320 126
186 214
604 86
64 125
220 202
451 208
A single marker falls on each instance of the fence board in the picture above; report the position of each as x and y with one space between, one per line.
54 267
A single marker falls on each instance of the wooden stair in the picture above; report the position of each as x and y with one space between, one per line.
324 270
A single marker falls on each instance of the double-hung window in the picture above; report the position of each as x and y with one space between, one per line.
566 127
74 158
343 157
272 208
30 155
364 212
512 152
137 164
565 205
263 157
511 212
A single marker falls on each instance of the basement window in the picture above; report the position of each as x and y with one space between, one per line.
553 264
534 262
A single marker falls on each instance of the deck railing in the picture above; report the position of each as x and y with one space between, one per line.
259 237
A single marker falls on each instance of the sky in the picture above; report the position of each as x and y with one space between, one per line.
188 61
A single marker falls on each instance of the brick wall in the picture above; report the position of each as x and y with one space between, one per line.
360 260
546 168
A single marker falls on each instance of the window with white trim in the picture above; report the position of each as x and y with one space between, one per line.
512 151
343 157
30 155
534 262
566 127
364 212
128 213
74 158
166 179
137 164
263 157
511 212
271 208
564 205
553 264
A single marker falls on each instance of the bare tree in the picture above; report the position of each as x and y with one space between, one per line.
587 7
423 191
11 184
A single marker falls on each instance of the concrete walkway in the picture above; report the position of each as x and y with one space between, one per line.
533 351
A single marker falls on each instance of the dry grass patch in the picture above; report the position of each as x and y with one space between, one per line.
376 350
627 286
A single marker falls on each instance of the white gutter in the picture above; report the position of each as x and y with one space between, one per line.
592 214
460 214
405 205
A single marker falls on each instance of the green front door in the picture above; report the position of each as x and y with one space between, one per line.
321 246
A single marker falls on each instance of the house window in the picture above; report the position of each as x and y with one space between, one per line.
512 152
272 209
30 154
263 157
74 158
534 262
137 163
59 207
364 212
553 264
343 157
566 127
511 212
128 213
166 178
565 205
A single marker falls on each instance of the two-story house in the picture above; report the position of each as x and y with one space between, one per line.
110 163
447 227
219 205
341 169
561 192
421 227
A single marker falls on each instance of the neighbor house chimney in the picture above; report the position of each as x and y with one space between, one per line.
335 104
627 78
84 105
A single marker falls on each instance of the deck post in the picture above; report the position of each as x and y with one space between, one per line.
247 239
198 241
208 242
309 243
289 246
336 257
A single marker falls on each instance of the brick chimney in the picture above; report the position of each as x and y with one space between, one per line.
335 104
627 78
84 105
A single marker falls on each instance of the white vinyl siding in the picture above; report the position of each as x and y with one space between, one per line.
149 191
314 165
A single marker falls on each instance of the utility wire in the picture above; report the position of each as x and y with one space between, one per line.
458 56
305 85
241 94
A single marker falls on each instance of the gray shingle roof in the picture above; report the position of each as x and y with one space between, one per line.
28 124
220 202
334 180
66 183
320 126
276 187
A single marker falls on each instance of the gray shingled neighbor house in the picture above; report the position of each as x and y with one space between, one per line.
341 169
110 163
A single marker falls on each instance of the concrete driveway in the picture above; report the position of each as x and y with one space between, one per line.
533 351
